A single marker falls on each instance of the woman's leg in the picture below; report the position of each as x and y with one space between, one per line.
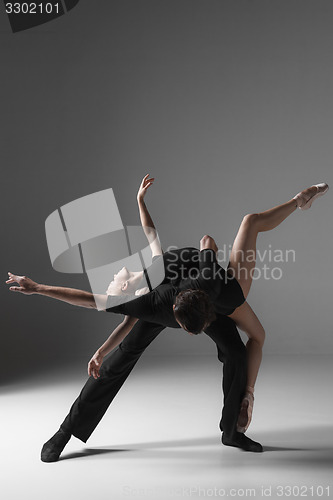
243 254
241 265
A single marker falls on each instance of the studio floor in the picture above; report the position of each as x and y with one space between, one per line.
160 438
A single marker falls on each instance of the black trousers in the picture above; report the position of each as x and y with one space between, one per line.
96 395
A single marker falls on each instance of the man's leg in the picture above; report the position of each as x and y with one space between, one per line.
97 394
232 353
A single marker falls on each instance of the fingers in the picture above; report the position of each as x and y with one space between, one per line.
12 278
93 369
90 367
147 186
147 179
144 180
96 370
95 374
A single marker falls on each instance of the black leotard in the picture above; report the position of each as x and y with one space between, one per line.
156 306
179 264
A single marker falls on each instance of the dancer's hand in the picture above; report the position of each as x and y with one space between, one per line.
208 242
27 286
94 365
145 184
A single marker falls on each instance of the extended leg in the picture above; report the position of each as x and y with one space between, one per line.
97 394
243 253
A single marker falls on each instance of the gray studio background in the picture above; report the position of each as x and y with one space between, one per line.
228 104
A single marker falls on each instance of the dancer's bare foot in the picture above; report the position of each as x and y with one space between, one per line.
305 198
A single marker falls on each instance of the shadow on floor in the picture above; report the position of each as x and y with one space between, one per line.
88 452
310 447
285 448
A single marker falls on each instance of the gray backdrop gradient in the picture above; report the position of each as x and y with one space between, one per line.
227 103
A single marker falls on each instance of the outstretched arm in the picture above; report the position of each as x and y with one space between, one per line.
146 220
113 341
69 295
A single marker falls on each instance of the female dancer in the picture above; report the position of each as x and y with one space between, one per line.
177 305
241 265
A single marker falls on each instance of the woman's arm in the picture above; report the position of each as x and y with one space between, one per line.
113 341
69 295
146 220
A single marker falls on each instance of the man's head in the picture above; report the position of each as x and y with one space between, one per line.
193 310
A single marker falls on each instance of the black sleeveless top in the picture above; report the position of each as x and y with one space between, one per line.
186 268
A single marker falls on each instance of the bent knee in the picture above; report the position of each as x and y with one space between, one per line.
250 219
206 238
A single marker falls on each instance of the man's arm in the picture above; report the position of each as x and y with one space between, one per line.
113 341
69 295
145 218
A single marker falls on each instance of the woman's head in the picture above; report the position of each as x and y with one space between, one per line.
193 310
124 282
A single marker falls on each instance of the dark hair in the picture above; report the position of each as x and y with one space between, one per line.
194 310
